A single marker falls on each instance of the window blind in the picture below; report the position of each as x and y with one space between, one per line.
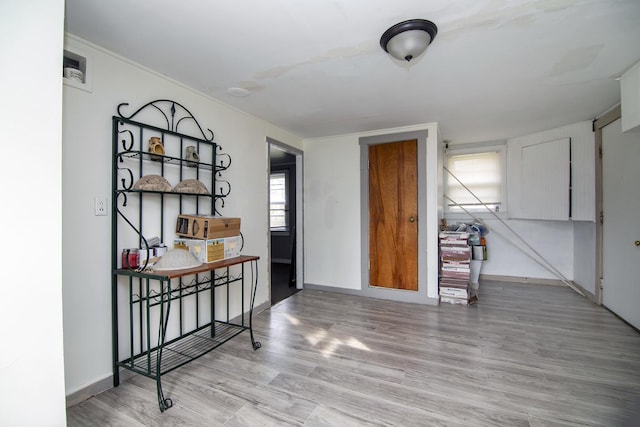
481 173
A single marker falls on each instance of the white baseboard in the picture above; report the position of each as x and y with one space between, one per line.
96 388
518 279
358 292
536 281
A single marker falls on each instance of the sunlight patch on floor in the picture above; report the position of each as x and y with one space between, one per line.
293 320
335 343
354 343
316 337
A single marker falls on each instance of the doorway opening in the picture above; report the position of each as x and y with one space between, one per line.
285 220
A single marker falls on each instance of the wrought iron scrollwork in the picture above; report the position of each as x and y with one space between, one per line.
218 203
173 116
164 402
127 182
127 142
224 188
224 161
221 191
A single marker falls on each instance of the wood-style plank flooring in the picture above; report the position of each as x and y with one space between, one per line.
525 355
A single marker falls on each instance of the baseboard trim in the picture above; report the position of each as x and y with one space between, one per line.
96 388
401 297
536 281
261 307
525 280
106 383
590 296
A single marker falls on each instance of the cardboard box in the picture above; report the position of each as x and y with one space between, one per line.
211 250
207 226
232 246
204 250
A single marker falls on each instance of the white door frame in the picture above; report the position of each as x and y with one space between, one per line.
606 119
421 295
299 206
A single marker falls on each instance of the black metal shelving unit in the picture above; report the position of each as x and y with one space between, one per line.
165 319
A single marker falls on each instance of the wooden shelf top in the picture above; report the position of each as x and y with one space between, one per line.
172 274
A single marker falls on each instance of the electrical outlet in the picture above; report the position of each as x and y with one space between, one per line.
100 206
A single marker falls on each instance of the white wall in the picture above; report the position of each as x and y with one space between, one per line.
584 255
31 359
332 212
87 173
332 191
568 245
509 256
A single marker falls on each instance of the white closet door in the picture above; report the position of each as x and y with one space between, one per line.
621 226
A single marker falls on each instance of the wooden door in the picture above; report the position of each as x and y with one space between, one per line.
393 215
620 227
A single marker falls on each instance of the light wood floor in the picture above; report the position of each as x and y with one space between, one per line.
525 355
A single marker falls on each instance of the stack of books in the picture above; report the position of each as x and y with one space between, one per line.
455 268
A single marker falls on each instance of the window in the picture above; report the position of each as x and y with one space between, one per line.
481 171
279 201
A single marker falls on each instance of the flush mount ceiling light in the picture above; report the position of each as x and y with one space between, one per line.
408 39
238 92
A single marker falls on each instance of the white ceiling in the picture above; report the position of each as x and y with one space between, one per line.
496 69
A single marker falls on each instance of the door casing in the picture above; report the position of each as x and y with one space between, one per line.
598 124
299 254
620 239
384 293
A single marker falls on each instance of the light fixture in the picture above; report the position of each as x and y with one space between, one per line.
238 92
408 39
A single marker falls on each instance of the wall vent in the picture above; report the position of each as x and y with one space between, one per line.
76 69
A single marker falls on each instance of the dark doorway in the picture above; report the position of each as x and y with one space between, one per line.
282 223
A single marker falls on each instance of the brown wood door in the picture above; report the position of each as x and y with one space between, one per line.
393 215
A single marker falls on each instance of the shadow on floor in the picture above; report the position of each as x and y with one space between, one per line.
280 288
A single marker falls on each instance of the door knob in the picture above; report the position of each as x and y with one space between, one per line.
637 242
412 219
